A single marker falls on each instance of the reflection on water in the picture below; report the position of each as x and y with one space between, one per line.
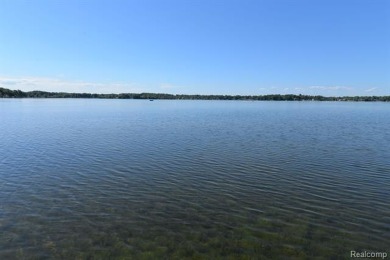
187 179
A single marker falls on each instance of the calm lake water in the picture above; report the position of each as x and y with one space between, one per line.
135 179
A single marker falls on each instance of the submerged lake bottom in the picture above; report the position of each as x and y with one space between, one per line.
133 179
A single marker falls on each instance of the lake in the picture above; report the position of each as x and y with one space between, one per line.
134 179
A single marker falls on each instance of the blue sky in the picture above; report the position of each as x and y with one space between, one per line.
325 47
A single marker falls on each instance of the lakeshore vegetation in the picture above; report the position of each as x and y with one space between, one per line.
8 93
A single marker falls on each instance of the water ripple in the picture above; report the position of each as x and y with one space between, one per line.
113 179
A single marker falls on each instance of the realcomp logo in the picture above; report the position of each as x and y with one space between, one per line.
368 254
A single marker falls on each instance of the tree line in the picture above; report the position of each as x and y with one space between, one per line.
8 93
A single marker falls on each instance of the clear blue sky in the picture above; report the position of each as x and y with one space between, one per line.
326 47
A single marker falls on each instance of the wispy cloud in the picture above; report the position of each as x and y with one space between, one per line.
327 90
371 89
171 88
168 86
332 88
61 85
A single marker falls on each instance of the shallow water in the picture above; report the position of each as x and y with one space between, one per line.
185 179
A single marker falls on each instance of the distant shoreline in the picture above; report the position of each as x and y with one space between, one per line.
8 93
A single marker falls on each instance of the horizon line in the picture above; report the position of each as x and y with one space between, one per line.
199 95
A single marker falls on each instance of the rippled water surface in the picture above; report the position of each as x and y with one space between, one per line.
136 179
